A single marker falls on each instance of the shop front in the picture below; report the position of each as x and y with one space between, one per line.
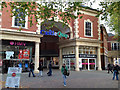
87 61
16 54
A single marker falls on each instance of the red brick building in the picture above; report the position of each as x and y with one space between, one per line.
104 47
113 49
83 49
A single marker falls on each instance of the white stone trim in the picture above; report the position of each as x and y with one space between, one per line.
88 20
98 28
0 19
87 13
76 26
87 38
0 27
0 13
17 30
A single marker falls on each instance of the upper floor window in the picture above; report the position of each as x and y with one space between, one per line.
115 46
17 22
88 28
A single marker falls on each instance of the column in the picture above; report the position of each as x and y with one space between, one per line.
88 65
36 56
60 58
77 58
98 58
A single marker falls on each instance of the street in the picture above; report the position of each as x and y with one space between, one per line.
81 79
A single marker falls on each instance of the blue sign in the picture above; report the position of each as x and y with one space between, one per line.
50 32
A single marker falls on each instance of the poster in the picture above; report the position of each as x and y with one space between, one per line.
20 56
80 63
26 54
9 54
13 77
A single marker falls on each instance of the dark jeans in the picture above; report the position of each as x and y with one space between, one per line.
115 74
50 72
31 70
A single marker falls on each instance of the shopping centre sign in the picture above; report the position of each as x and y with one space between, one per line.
50 32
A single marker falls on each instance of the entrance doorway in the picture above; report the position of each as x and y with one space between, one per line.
88 63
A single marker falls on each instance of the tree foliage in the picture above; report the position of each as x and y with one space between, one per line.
45 10
112 9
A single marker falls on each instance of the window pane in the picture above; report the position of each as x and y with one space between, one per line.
115 46
17 19
88 29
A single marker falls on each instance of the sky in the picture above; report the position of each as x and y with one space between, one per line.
95 6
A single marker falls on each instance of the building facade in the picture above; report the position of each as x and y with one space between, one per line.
81 50
113 49
104 47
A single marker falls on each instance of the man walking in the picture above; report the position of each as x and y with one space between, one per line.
31 69
50 69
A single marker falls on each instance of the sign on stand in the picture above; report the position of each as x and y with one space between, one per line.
13 77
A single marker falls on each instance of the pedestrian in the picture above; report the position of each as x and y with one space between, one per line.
50 69
109 68
64 71
31 69
115 72
40 68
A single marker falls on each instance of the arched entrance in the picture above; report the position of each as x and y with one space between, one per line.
49 47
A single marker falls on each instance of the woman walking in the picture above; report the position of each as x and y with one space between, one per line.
64 70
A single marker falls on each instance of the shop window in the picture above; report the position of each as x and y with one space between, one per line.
88 28
16 20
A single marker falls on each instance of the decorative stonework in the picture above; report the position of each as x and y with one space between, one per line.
98 28
76 26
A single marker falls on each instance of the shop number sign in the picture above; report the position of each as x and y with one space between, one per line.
13 77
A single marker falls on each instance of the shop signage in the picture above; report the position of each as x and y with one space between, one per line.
17 43
50 32
69 56
13 77
87 56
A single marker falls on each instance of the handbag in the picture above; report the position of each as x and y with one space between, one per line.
68 73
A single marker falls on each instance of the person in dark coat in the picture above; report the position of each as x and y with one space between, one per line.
50 69
31 69
115 72
109 68
40 68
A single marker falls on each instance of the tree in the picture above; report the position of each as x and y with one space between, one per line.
112 9
45 10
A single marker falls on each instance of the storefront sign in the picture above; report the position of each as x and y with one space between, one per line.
87 56
69 56
50 32
17 43
13 77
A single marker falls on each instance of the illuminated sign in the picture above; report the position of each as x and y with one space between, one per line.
17 43
50 32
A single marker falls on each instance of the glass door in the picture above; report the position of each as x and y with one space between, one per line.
84 64
92 64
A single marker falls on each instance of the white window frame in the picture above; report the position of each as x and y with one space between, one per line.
88 20
26 22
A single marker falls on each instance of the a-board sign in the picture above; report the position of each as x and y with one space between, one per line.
13 77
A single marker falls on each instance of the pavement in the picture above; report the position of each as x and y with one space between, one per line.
77 79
